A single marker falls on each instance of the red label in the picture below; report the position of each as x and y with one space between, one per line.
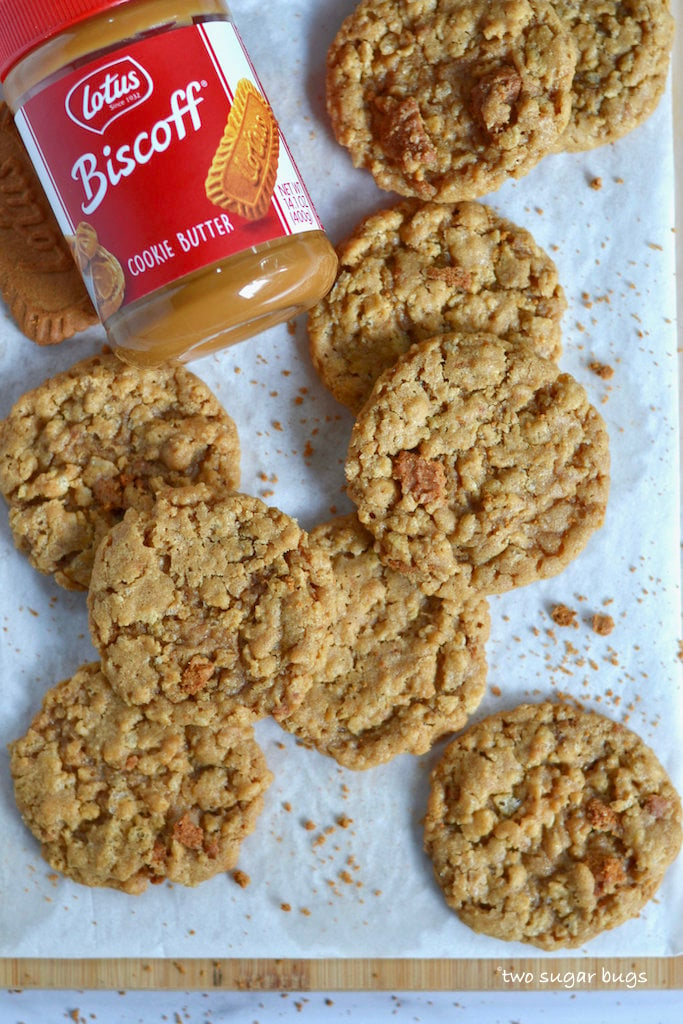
162 158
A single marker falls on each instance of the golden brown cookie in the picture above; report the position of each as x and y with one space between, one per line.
624 51
475 459
445 101
117 800
403 669
39 280
548 825
207 598
419 269
87 444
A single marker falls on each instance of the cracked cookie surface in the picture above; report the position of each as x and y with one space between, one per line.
476 460
624 52
120 801
419 269
210 601
547 825
102 437
446 100
402 670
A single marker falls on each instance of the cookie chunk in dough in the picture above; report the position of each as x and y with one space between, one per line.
100 438
120 801
403 669
475 459
210 600
445 101
418 269
548 825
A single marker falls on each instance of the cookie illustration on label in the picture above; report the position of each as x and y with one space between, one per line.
102 272
84 245
242 175
108 282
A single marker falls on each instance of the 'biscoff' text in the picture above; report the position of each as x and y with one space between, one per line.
98 174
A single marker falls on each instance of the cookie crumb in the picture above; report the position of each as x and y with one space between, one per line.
602 624
602 370
596 184
242 878
562 615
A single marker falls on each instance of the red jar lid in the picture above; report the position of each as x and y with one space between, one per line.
23 26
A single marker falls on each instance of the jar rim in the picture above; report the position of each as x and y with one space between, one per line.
24 26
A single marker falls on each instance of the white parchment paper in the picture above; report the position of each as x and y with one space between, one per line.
336 866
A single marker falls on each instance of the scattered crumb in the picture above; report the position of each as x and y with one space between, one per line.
602 624
596 184
562 615
242 878
602 370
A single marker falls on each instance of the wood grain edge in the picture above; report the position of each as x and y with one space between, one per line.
292 975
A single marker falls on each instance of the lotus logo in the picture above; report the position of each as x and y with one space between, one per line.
107 93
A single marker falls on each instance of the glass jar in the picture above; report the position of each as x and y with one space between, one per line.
166 169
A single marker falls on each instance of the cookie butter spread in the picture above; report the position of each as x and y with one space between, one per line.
166 169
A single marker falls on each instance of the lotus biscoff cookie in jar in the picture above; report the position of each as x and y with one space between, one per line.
166 168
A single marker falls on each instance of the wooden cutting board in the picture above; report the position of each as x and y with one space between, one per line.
575 973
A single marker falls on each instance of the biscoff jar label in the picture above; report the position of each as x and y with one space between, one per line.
162 157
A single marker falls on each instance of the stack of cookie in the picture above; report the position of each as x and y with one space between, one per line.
475 464
208 608
445 100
